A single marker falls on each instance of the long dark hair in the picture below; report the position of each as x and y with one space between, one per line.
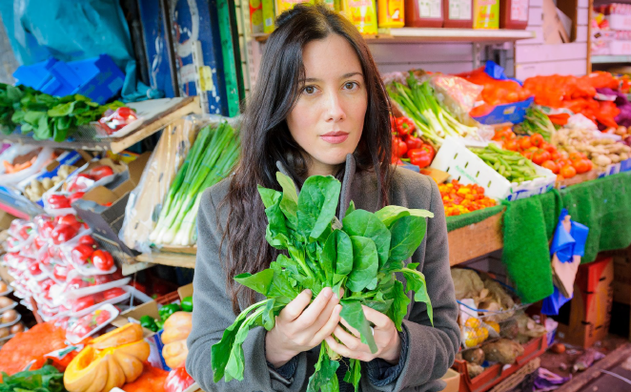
265 137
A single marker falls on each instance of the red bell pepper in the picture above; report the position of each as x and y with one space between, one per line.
404 126
413 142
88 240
113 293
69 219
420 157
63 233
58 201
178 380
102 260
399 148
81 254
100 172
75 196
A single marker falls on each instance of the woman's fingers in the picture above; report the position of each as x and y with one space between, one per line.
311 314
342 349
294 309
350 341
379 319
330 326
351 329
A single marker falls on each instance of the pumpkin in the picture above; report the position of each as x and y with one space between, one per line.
109 361
176 330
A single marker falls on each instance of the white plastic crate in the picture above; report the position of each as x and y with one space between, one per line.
466 167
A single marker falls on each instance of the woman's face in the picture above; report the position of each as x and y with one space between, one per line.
328 118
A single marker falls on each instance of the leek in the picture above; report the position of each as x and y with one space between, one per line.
211 158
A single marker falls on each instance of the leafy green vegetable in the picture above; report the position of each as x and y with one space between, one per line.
46 379
361 254
44 115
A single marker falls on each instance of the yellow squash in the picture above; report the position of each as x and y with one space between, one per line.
109 361
176 330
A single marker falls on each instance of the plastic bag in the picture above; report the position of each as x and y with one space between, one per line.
43 158
178 380
145 201
457 95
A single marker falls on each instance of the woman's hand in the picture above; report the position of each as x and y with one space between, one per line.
301 326
386 337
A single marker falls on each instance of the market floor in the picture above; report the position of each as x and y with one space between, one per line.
610 374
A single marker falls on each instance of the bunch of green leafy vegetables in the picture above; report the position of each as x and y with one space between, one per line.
361 254
46 379
44 115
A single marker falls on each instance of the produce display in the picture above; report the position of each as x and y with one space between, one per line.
460 199
212 157
44 115
420 104
510 164
109 361
36 189
165 312
360 256
536 121
407 146
601 151
46 379
545 154
493 325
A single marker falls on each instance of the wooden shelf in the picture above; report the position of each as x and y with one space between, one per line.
610 59
466 243
157 114
411 34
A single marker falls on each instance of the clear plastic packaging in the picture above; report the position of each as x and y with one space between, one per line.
457 94
43 158
145 201
91 323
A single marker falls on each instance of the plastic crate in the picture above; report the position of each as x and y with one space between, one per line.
35 75
507 113
494 374
97 78
463 165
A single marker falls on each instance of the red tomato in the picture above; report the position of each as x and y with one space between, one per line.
511 144
568 171
60 272
536 140
540 156
81 254
76 283
102 279
524 143
582 165
550 165
34 269
125 112
70 219
113 293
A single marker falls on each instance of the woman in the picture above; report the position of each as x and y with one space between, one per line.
319 108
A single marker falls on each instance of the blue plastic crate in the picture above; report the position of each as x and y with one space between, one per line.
35 75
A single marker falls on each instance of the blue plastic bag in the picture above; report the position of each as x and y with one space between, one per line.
551 304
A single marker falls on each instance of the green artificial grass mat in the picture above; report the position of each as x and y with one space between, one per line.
458 221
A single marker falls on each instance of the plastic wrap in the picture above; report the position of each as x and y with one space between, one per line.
145 201
457 94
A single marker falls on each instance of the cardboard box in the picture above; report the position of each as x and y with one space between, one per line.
107 221
452 379
590 312
553 30
5 220
622 279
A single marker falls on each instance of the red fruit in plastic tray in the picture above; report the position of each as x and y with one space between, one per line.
69 219
81 254
63 233
113 293
88 240
83 303
34 269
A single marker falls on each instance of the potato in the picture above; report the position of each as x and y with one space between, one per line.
504 351
9 315
19 327
4 302
474 370
4 332
474 355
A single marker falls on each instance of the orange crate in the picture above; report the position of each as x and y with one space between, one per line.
493 375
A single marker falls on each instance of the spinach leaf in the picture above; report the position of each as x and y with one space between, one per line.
415 280
353 313
365 263
324 378
260 282
399 308
390 214
407 235
353 375
366 224
337 256
289 202
317 204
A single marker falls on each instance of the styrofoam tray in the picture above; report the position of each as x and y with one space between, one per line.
619 22
113 314
85 270
454 158
12 306
9 291
95 289
12 322
112 301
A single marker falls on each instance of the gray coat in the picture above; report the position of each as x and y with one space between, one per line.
430 351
